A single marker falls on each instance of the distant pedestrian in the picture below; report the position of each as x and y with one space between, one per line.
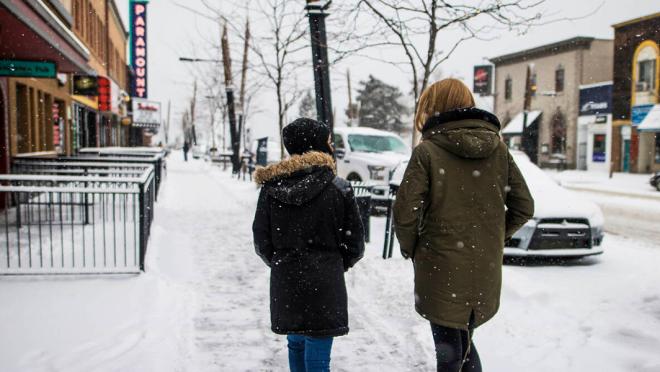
461 197
307 229
186 148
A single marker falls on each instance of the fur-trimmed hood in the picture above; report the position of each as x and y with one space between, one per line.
298 179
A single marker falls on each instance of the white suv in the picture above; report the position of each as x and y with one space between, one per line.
369 155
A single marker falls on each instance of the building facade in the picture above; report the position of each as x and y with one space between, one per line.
98 119
38 53
557 71
636 124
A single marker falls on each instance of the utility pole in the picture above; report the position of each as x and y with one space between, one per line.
167 125
526 140
241 117
193 134
316 12
352 108
231 107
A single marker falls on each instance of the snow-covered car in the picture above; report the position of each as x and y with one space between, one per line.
199 151
655 180
564 224
369 155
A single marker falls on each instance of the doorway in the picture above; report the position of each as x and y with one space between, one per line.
626 156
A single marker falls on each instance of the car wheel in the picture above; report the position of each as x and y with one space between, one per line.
354 177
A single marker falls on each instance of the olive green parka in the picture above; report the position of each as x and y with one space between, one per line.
461 197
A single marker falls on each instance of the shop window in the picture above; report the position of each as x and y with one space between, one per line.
508 88
600 148
657 148
559 79
22 119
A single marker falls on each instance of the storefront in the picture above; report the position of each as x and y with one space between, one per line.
649 134
36 90
595 127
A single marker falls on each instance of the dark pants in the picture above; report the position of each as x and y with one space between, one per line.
185 155
309 354
454 350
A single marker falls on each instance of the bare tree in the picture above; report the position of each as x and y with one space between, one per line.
415 28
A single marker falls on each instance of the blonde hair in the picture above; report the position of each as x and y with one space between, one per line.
442 96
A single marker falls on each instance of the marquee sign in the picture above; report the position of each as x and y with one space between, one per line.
146 114
138 48
596 100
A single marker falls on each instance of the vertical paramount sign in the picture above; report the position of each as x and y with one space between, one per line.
138 17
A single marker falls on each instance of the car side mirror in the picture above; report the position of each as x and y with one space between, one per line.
340 153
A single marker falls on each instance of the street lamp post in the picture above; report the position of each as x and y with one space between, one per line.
316 12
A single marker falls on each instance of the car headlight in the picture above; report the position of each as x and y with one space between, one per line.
376 172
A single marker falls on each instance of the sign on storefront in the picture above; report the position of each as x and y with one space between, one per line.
15 68
596 100
146 114
482 80
639 113
138 47
84 85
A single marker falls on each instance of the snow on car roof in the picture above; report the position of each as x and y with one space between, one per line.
363 130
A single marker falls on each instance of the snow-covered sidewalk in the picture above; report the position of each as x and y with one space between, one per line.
203 304
621 184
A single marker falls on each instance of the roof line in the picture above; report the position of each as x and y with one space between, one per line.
636 20
573 42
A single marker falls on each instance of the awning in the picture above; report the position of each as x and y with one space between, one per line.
30 31
651 122
515 126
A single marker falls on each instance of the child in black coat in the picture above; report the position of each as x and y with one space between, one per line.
308 230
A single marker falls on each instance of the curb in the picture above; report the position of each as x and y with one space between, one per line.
615 193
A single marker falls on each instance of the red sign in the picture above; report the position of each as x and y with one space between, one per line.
105 100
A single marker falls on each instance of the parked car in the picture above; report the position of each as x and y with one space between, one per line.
655 180
199 151
564 224
369 155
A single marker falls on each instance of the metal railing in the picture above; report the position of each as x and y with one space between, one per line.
57 221
104 159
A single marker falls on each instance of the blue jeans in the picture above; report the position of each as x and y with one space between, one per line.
309 354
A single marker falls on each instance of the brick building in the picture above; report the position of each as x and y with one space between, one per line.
557 72
636 109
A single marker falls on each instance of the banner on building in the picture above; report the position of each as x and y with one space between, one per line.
483 76
138 47
596 100
146 114
35 69
639 112
105 94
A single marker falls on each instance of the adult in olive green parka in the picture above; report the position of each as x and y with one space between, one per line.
461 197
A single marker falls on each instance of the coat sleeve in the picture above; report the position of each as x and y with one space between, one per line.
519 201
263 244
352 231
409 203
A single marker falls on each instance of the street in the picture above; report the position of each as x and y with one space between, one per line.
629 217
202 304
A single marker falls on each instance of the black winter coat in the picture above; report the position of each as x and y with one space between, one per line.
308 230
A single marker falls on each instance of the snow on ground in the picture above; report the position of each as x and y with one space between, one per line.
203 303
621 183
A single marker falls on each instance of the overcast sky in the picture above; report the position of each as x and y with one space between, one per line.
172 32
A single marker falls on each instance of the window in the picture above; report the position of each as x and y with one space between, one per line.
508 88
339 141
600 148
657 148
646 79
373 143
559 79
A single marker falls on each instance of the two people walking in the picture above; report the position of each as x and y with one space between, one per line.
461 197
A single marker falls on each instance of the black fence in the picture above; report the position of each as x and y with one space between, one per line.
76 217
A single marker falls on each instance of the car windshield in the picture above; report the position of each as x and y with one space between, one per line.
375 143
